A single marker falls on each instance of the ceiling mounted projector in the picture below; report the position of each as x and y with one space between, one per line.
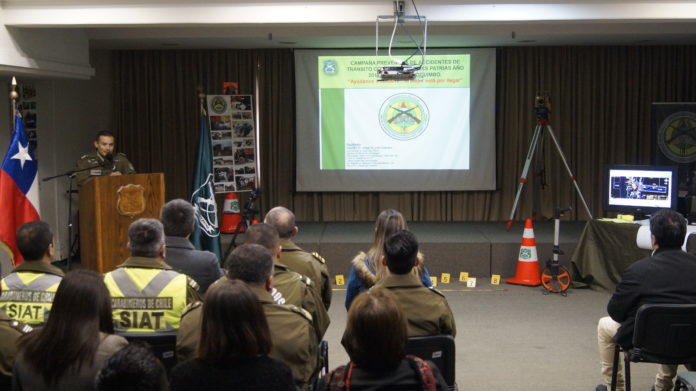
403 70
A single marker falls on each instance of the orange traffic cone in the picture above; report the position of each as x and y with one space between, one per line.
230 214
528 262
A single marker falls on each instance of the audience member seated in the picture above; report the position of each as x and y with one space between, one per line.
375 340
68 351
133 368
367 268
293 336
426 309
666 277
10 331
309 264
147 295
234 346
35 274
177 217
289 287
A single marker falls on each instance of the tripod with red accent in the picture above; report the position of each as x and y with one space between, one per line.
542 110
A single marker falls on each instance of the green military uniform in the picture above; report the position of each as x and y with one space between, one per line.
292 333
297 290
426 309
311 265
28 292
10 331
94 164
148 296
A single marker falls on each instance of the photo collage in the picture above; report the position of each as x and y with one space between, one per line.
234 142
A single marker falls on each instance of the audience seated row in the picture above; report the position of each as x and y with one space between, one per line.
145 294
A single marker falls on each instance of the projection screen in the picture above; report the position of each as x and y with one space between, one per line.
356 133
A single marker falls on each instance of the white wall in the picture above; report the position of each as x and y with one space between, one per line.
69 112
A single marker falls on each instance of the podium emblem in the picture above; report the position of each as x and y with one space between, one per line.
131 200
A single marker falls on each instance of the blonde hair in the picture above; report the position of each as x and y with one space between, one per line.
388 223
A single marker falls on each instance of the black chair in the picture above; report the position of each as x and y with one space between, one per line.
663 334
686 381
440 350
324 358
163 345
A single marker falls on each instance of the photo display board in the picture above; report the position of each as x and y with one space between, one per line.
233 137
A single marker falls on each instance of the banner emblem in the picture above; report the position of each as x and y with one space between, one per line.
404 116
205 208
218 104
677 137
330 67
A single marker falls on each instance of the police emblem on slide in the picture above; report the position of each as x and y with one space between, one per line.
404 116
218 104
330 67
205 208
677 137
131 200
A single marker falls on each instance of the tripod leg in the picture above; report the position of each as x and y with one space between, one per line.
570 173
523 177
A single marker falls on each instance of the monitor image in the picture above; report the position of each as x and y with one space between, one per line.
640 189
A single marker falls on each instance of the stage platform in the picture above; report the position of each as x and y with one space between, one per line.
479 248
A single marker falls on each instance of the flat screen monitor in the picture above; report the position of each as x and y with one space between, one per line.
640 189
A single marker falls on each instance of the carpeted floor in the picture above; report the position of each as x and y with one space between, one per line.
513 337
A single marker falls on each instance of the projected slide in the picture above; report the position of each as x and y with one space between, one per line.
420 124
357 133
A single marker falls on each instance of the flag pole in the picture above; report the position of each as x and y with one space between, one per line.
13 97
201 99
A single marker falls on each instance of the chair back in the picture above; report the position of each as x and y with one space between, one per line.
163 345
436 348
665 333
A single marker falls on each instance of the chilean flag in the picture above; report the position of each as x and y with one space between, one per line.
19 188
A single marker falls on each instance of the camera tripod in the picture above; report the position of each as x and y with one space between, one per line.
542 110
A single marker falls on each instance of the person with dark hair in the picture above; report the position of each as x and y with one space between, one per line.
10 332
375 339
68 351
666 277
426 309
292 334
35 274
102 161
367 269
177 217
309 264
133 368
289 287
147 294
234 346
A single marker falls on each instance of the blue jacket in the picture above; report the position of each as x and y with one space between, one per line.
362 277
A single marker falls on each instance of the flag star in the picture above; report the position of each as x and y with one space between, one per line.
23 154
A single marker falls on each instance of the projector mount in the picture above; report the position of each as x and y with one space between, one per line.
404 70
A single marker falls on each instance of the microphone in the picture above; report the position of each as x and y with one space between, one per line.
109 160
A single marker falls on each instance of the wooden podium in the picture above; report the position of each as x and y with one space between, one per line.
108 205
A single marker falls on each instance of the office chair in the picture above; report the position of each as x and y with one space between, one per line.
663 334
440 350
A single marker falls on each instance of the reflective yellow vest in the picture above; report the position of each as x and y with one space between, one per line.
146 300
28 296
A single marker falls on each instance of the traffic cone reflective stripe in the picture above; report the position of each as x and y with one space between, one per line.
527 263
230 214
